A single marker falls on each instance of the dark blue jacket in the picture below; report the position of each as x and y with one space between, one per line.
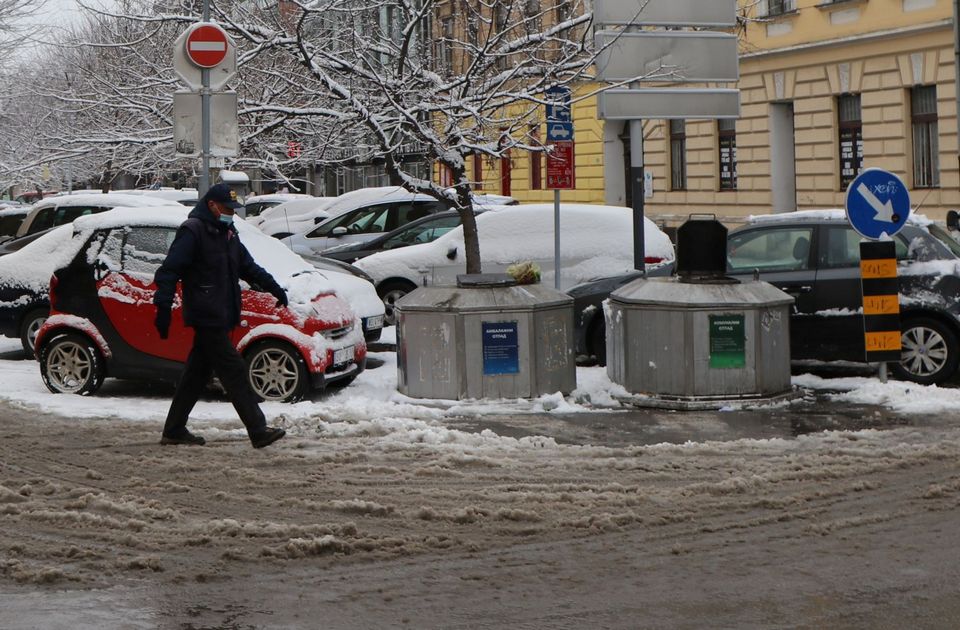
209 259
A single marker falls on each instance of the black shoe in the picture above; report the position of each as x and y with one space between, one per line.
184 438
267 437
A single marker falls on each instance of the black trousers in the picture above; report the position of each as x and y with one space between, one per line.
213 352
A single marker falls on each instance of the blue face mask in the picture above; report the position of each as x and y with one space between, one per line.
226 218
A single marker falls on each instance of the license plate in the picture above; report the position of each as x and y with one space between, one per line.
375 322
343 355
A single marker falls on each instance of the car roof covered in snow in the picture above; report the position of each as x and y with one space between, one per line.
819 215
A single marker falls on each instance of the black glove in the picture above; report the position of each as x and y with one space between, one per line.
162 322
281 296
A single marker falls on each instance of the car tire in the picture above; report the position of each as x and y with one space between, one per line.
70 363
391 292
597 341
29 326
277 372
930 352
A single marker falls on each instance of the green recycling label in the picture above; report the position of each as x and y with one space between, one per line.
727 341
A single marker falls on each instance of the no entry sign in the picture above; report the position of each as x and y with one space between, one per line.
206 45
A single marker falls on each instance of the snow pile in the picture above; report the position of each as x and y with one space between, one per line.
900 396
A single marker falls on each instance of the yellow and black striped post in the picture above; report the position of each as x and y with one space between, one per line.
881 301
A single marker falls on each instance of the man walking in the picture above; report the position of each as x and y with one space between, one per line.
208 258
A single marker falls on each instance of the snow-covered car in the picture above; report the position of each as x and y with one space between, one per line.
291 216
254 205
101 317
361 215
62 209
595 241
182 196
24 285
356 287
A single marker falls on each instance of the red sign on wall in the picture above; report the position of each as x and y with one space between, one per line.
560 166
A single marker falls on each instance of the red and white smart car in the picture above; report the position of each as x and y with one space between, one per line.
101 316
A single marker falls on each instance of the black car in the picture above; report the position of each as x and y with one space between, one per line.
590 331
423 230
815 257
10 219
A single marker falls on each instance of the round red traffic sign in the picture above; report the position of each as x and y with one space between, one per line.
206 45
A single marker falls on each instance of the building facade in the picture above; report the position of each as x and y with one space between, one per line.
827 88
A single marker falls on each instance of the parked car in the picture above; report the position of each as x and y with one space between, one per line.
62 209
10 219
423 230
291 216
594 241
24 285
101 317
362 215
356 287
254 205
814 256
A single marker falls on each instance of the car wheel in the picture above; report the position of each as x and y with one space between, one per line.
597 340
390 293
71 364
30 325
277 372
929 351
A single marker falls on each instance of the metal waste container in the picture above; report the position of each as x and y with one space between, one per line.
701 336
673 339
488 340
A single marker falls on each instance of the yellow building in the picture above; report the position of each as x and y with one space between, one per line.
827 88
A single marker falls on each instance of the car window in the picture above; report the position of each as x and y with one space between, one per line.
43 220
770 249
842 247
145 250
426 232
9 224
71 213
944 237
109 254
360 221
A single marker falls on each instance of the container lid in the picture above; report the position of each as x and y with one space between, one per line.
672 293
526 297
485 280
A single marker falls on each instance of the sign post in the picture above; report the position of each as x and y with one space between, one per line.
877 206
666 55
205 52
560 160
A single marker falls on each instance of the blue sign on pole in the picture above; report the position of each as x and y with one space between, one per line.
877 203
558 105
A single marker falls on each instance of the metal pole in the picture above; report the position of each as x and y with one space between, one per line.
882 372
204 183
636 191
556 238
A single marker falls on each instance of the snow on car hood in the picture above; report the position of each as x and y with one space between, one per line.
601 236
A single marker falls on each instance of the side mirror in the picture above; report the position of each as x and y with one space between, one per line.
953 220
317 220
338 231
452 253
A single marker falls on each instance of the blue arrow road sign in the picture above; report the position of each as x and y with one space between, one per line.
877 203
